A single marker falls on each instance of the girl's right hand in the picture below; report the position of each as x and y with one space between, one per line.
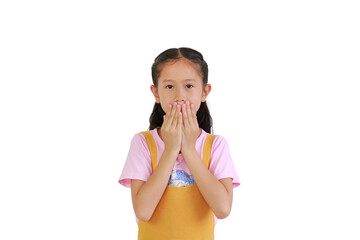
171 129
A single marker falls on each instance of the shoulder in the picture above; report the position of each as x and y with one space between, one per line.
138 137
220 142
139 150
220 151
138 161
139 141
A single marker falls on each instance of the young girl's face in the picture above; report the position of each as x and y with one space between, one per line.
180 81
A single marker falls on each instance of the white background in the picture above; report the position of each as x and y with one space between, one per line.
75 88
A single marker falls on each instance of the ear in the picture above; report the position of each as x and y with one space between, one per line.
155 92
205 92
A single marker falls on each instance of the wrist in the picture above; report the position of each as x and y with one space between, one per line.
172 153
186 150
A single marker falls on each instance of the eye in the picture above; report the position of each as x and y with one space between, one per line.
169 86
189 86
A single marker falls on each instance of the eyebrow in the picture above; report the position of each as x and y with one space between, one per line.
185 80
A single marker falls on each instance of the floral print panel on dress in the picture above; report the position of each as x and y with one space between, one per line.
180 178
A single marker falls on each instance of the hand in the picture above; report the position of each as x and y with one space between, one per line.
191 130
171 129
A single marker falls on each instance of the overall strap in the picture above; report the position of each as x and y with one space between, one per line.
207 149
152 147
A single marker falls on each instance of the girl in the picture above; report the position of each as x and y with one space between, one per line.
181 177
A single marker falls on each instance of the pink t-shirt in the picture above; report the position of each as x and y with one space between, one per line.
138 162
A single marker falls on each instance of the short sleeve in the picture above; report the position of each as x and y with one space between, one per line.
221 165
138 162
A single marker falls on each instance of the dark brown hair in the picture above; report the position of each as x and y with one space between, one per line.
203 114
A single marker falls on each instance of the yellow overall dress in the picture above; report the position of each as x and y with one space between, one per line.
182 212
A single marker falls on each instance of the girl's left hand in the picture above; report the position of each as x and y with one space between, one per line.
191 130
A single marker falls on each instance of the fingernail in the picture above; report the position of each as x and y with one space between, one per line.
192 105
187 102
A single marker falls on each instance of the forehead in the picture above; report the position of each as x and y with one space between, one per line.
180 70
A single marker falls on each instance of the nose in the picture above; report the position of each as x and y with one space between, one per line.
180 96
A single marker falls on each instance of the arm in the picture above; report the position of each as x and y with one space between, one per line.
146 195
217 193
